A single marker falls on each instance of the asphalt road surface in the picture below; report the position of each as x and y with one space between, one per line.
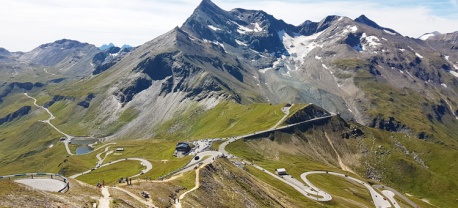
377 198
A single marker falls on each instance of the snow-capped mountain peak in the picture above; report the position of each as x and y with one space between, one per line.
428 35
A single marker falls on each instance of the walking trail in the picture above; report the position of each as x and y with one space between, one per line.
104 202
339 159
148 203
286 112
178 201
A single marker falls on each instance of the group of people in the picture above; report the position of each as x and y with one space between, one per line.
127 180
145 194
100 185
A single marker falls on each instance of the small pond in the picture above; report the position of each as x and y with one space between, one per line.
83 145
83 149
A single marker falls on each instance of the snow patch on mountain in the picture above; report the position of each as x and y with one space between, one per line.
454 73
453 64
276 64
215 43
426 36
370 41
113 55
240 43
389 32
418 55
298 46
287 74
257 28
351 29
253 27
213 28
264 70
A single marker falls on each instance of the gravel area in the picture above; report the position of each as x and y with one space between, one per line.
43 184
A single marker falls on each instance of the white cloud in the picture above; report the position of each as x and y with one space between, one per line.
29 23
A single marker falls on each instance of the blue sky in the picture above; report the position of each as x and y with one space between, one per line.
28 23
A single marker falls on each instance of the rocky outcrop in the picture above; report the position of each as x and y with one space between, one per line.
86 102
127 93
355 132
58 80
107 58
307 113
22 86
19 113
56 98
440 110
389 124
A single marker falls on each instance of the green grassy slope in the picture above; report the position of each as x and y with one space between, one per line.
241 187
225 120
424 169
393 159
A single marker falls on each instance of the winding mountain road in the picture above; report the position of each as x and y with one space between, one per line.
100 160
310 190
377 198
396 193
233 139
212 155
206 157
48 121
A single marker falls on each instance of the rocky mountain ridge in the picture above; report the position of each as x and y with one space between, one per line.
249 56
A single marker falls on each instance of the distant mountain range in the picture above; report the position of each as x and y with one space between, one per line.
111 45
